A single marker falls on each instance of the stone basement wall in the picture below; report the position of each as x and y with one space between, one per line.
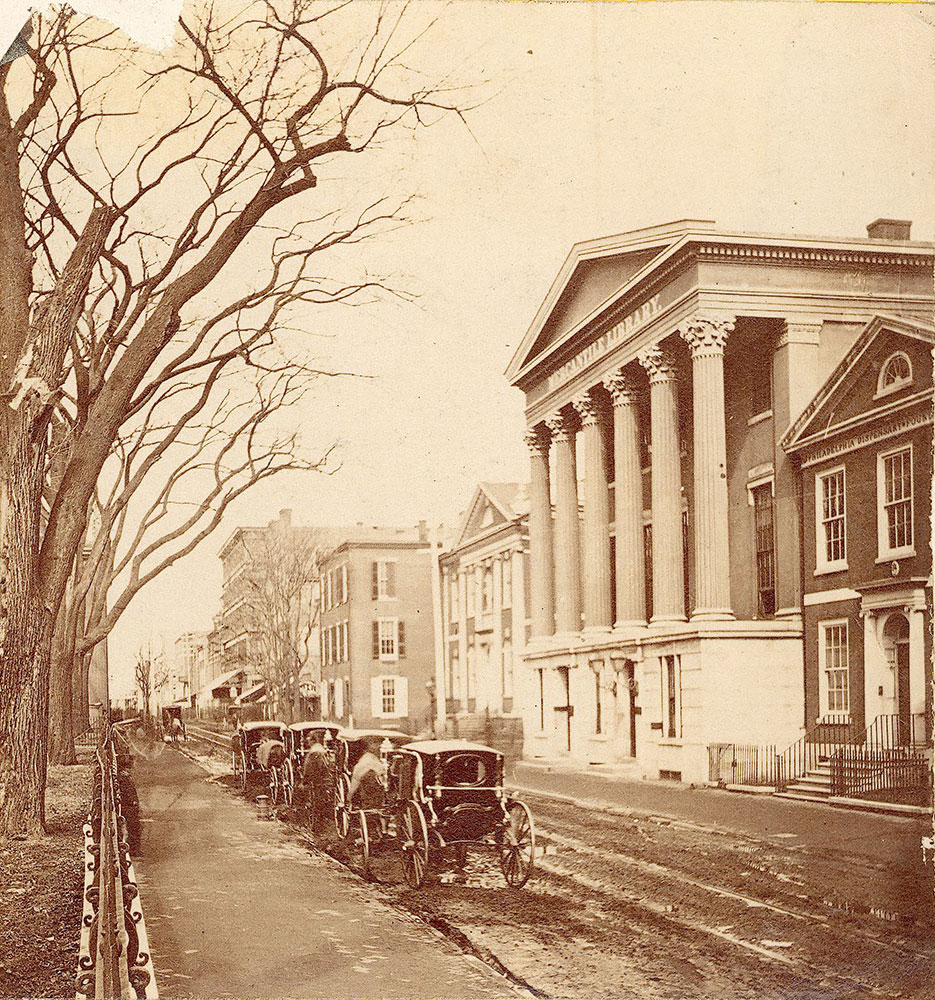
502 733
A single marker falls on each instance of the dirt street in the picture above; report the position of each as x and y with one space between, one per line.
662 909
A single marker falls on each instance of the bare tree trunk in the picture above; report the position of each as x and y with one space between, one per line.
61 729
27 636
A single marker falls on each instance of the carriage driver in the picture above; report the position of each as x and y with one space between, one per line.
316 776
368 778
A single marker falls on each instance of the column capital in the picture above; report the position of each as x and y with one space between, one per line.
589 410
537 440
706 335
621 385
561 427
798 333
658 363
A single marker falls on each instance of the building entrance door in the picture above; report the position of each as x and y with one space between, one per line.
625 700
896 636
563 734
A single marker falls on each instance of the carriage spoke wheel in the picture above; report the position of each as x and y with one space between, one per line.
517 845
364 842
274 785
288 783
243 773
342 805
413 839
235 767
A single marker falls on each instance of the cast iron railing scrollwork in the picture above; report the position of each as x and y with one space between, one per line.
113 959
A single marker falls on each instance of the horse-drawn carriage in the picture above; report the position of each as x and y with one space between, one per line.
173 725
350 745
262 751
448 794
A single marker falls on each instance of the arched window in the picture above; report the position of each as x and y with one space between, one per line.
895 373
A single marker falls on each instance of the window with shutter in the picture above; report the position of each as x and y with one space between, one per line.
401 639
376 697
402 697
376 641
375 581
344 584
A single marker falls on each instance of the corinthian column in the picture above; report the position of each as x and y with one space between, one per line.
628 502
567 553
542 611
668 567
706 338
595 570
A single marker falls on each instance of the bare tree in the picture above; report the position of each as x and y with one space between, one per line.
279 610
112 254
152 675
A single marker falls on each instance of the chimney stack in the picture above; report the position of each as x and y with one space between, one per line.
285 519
889 229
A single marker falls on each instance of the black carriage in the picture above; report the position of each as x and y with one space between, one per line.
173 725
349 746
276 771
304 736
448 795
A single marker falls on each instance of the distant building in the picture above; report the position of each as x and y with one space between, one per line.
863 448
236 646
191 663
377 638
483 620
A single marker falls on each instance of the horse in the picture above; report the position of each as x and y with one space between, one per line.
176 730
316 777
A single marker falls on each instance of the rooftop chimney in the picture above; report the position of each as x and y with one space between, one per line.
285 518
889 229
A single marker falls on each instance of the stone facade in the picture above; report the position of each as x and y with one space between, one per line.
660 375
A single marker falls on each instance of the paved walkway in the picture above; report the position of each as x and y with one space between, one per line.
235 908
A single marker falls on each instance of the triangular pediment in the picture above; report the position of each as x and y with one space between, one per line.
489 508
593 275
858 388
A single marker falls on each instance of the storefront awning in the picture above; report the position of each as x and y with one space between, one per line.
255 694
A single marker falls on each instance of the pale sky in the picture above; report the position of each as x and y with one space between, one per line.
769 117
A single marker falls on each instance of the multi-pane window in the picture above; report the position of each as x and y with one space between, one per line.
386 638
454 671
506 655
388 695
895 373
598 706
834 664
671 692
832 545
765 549
383 580
454 597
506 589
896 501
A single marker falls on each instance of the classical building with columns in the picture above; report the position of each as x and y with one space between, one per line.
660 374
484 596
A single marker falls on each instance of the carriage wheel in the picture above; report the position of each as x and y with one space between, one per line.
342 805
274 785
235 767
364 843
243 773
517 845
413 839
288 783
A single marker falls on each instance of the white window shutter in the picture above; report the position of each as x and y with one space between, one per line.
376 697
339 699
402 696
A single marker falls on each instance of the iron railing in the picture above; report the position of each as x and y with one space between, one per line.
815 747
113 958
743 764
888 756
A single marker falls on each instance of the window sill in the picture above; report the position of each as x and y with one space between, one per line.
758 418
885 557
671 741
890 389
835 567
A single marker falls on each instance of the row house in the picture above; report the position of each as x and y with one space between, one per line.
377 630
482 623
863 448
665 529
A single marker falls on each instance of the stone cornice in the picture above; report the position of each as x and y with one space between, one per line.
848 439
